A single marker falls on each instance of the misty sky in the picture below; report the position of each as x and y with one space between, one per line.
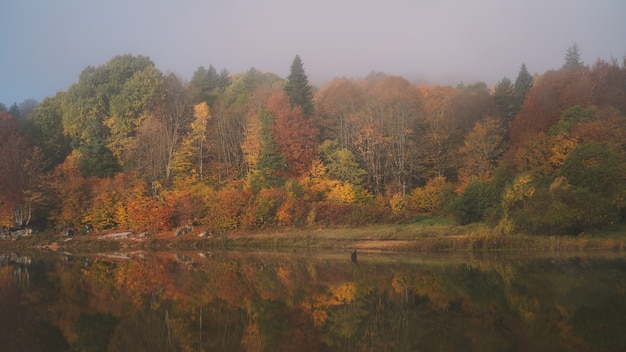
47 43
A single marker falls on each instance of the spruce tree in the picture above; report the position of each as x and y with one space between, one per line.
208 84
504 95
298 88
572 58
15 111
271 163
523 83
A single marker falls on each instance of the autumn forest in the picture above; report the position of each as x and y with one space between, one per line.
130 147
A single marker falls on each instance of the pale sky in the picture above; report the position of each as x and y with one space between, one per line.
47 43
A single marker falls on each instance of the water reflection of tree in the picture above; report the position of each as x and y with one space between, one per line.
142 331
262 302
21 278
23 325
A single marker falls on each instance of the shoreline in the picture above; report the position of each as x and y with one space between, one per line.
411 238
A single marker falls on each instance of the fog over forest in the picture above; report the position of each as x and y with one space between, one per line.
47 44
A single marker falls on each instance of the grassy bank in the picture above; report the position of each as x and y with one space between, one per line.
425 236
413 238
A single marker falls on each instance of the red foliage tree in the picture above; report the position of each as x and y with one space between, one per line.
607 125
146 213
335 103
15 151
552 94
72 193
471 104
608 84
295 135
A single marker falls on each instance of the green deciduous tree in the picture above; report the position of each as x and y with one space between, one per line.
599 167
102 111
129 105
95 158
587 194
472 204
341 163
45 128
571 117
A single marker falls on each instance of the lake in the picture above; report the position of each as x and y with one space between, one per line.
311 301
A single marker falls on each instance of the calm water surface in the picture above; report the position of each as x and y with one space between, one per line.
232 301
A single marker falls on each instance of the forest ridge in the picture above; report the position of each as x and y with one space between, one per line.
130 147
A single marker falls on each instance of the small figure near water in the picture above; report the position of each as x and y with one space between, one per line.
354 256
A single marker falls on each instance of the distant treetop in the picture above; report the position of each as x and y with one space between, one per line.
298 88
572 57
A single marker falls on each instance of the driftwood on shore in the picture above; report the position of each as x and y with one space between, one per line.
183 230
7 233
116 235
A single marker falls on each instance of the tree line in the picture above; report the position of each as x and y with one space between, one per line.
128 146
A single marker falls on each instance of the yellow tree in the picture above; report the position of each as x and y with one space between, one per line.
72 192
182 164
543 155
433 196
202 115
435 145
191 146
252 144
562 146
482 148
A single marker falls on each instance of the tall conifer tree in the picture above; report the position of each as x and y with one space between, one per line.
298 88
572 58
523 83
271 163
504 95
